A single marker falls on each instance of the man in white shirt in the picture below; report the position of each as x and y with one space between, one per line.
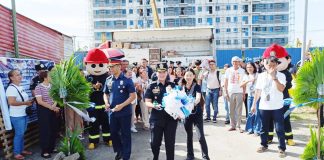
270 86
213 88
235 93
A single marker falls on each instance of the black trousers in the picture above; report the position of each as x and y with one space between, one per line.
101 120
197 120
288 129
47 129
167 128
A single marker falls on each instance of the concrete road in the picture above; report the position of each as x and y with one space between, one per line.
222 144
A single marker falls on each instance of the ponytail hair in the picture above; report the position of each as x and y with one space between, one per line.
10 74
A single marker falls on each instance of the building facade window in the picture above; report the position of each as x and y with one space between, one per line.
130 11
199 20
218 42
228 42
131 22
235 19
217 8
217 31
199 9
236 41
235 30
217 19
210 21
235 7
228 7
228 30
228 19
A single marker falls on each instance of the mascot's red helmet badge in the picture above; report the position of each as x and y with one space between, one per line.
96 62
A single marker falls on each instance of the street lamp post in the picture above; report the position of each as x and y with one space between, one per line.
14 28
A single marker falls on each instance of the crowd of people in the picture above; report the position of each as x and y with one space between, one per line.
133 93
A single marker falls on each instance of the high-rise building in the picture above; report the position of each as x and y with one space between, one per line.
237 23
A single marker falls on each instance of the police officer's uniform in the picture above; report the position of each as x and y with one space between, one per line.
36 80
118 90
98 111
161 123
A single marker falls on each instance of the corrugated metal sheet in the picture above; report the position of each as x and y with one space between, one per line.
35 40
68 47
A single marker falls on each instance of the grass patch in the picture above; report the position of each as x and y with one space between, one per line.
303 116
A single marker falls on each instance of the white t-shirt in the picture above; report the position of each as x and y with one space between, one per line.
268 87
17 111
250 87
212 80
235 78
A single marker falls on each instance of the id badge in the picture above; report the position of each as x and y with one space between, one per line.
268 97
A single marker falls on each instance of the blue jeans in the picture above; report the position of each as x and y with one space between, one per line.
20 125
226 108
212 97
257 121
253 123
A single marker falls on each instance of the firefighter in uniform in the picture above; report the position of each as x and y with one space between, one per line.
161 123
119 92
96 65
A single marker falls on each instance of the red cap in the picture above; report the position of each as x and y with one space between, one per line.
275 50
96 56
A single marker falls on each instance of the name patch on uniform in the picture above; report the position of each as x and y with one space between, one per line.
156 90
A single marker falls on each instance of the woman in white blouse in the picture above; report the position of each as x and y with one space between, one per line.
18 101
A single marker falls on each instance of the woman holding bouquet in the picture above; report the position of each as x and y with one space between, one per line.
190 86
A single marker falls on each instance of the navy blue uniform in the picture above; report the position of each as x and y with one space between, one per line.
98 111
118 90
161 123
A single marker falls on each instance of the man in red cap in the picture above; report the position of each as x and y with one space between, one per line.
96 64
285 63
119 92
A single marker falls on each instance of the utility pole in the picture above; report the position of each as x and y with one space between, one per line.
14 28
302 56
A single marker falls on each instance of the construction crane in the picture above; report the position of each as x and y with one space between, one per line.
156 19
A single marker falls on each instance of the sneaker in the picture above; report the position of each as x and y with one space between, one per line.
262 149
241 130
282 154
91 146
269 141
214 121
118 156
231 129
291 142
133 129
227 122
207 119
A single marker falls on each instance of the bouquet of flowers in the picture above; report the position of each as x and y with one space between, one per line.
177 103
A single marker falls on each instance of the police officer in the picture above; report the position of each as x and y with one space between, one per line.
36 80
119 92
160 121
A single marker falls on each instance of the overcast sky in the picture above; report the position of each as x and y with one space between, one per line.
71 18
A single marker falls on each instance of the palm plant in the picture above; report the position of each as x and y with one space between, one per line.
67 80
68 85
309 78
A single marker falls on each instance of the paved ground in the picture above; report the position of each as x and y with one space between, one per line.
222 145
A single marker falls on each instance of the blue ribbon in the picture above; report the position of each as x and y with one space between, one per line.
288 101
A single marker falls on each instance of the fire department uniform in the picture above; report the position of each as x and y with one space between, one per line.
98 112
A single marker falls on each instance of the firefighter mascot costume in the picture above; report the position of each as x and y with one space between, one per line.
96 63
285 63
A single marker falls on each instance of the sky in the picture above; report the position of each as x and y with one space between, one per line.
71 18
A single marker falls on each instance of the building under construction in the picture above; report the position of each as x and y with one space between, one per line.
237 24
